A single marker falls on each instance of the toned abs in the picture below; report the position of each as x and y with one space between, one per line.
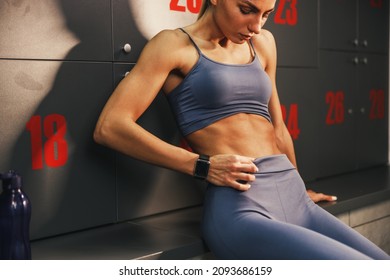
234 135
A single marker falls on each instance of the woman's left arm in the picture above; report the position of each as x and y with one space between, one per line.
283 137
269 58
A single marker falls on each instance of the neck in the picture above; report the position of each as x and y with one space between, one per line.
207 29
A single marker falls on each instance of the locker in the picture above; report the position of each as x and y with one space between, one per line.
354 25
294 25
56 29
144 189
372 110
337 97
338 24
297 90
354 111
70 180
136 21
374 26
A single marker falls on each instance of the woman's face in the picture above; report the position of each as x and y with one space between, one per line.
239 20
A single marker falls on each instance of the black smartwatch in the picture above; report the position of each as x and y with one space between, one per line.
202 166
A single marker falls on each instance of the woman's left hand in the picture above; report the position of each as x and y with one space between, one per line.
317 197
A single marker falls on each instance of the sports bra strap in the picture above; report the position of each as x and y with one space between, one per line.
253 47
192 40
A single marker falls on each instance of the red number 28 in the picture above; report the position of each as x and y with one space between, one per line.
336 110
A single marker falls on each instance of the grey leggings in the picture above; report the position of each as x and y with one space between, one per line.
276 219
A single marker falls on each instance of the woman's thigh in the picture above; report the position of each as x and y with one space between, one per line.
276 219
325 223
253 236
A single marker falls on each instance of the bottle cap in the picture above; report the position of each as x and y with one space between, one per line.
11 180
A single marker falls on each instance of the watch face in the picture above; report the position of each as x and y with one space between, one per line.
202 168
152 16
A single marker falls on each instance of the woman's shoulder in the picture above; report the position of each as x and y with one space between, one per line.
265 39
265 46
170 38
167 46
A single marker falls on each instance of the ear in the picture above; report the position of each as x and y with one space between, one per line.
213 2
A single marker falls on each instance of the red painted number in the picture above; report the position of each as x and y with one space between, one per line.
192 6
377 98
376 3
54 151
335 100
291 120
287 12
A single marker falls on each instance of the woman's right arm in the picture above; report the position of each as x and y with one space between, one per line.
117 127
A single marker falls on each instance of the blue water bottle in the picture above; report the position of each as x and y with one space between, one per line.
15 214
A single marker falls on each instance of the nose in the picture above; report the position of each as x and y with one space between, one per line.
256 25
255 28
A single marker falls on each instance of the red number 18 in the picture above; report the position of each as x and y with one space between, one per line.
55 149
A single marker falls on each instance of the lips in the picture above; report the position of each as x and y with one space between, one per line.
246 37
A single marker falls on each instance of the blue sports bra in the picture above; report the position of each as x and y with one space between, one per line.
212 91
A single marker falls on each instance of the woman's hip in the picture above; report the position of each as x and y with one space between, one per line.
277 193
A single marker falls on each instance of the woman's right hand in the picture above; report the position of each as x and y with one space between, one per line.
232 171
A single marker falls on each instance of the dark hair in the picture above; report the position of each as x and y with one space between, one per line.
205 5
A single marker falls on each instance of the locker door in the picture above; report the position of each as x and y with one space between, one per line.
338 24
294 25
51 109
136 21
337 96
374 25
125 32
372 110
144 189
298 89
47 29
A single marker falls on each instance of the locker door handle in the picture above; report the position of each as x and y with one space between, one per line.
355 42
127 48
364 60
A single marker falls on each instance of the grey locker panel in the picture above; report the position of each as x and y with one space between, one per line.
64 100
144 189
338 24
295 28
374 25
372 111
298 87
56 29
135 22
337 97
125 32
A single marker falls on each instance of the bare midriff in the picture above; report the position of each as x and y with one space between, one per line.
242 134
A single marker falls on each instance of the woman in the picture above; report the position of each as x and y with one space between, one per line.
220 81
